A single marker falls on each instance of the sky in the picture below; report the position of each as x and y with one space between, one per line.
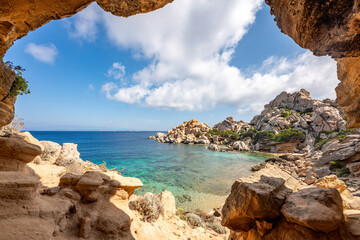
204 60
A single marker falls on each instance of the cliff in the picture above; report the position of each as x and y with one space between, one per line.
327 28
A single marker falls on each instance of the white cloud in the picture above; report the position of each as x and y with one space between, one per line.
45 53
84 25
117 71
190 45
91 87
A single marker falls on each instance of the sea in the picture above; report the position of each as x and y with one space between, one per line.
200 179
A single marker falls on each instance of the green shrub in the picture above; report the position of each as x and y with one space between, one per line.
343 172
319 142
289 134
285 114
262 135
342 134
20 85
335 165
149 206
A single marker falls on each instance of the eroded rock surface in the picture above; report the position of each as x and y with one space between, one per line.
189 132
327 28
308 213
249 202
319 209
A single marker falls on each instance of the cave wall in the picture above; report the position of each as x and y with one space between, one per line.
331 28
18 17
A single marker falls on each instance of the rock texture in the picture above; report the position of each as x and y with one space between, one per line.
245 204
291 123
327 28
317 208
270 208
189 132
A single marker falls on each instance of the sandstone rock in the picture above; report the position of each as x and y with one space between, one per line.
169 205
29 138
51 191
87 186
15 185
15 152
352 221
317 208
69 179
249 201
129 184
50 152
68 155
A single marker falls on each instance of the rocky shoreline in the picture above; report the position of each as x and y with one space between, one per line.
75 199
310 191
291 123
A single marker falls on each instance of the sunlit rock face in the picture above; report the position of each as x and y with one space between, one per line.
327 28
18 17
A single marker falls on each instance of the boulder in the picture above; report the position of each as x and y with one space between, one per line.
241 146
319 209
352 222
15 152
202 140
68 155
51 151
214 147
249 202
29 138
167 200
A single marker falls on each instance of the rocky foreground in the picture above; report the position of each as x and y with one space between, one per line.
48 192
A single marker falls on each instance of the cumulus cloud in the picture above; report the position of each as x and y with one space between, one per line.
45 53
84 26
190 45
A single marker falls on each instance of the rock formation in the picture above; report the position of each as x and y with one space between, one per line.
189 132
292 122
327 28
60 196
264 207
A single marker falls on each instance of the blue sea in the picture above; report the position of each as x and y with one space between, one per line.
198 178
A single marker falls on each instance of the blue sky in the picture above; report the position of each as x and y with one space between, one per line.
205 60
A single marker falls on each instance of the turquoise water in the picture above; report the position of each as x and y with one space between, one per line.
199 178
